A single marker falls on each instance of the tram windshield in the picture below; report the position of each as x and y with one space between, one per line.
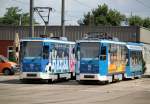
32 49
89 50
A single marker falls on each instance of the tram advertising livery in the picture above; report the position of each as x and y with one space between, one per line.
47 59
107 60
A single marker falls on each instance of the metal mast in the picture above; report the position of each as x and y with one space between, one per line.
42 13
31 30
63 19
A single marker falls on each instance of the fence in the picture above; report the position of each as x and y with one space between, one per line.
125 33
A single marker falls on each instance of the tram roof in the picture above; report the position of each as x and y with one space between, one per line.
103 41
47 40
135 46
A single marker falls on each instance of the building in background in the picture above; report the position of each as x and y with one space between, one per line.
73 33
145 38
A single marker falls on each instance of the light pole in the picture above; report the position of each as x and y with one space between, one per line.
63 19
31 30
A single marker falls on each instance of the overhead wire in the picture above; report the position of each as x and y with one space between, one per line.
142 4
18 1
59 12
83 4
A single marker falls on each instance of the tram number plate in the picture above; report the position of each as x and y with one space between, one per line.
88 76
31 75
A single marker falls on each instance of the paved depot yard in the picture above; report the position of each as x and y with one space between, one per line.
125 92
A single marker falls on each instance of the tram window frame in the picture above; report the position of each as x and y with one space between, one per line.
113 51
136 58
45 52
123 54
103 52
21 52
140 57
60 51
71 49
118 53
78 53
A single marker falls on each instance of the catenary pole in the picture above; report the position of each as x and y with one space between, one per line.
63 19
31 30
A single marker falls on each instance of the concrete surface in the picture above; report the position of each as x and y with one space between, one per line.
125 92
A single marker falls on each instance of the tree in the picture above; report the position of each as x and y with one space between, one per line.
138 21
87 18
14 16
114 17
103 16
135 21
146 22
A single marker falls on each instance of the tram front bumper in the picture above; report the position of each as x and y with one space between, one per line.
96 77
35 75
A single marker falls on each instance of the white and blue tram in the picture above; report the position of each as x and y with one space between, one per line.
46 59
107 60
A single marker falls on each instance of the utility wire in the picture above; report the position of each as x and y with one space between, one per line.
83 4
54 10
67 14
59 12
72 16
143 4
21 2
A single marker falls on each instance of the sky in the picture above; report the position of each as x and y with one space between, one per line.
75 9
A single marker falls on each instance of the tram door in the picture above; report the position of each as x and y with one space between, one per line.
103 59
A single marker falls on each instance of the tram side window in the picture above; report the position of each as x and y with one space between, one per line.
124 55
133 58
60 51
45 52
118 53
77 51
72 53
140 58
103 53
136 58
113 53
21 52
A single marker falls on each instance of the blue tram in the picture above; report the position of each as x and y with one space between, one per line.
134 64
107 60
47 59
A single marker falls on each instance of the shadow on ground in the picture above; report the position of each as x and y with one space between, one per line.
14 80
59 82
11 81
